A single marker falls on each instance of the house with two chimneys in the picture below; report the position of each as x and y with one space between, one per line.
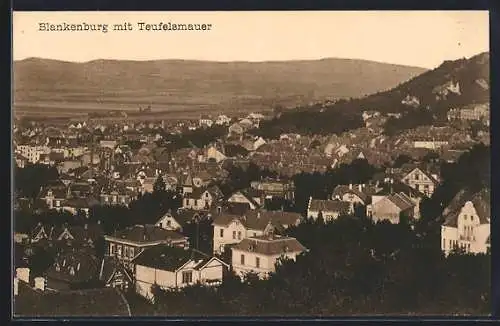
467 222
230 228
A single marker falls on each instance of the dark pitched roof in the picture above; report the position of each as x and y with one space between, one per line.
168 258
342 207
270 245
481 201
258 220
83 303
341 190
148 233
84 233
402 201
81 202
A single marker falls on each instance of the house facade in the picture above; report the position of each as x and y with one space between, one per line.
390 207
467 223
260 254
230 229
328 209
422 181
171 268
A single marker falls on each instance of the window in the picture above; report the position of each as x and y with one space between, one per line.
417 176
242 260
111 249
468 247
257 262
239 235
444 243
169 223
222 233
187 277
450 243
254 234
234 234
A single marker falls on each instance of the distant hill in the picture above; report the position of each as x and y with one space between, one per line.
452 84
58 86
421 100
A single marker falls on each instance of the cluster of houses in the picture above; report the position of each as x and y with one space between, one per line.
246 237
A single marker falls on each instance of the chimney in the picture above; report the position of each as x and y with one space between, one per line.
360 187
16 286
350 186
258 214
86 226
98 221
23 274
40 283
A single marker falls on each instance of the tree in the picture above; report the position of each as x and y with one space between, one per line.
159 185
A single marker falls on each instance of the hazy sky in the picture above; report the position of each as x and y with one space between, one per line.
418 38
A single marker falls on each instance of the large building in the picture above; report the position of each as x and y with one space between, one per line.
467 223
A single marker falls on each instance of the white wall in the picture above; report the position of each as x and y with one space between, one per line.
469 233
266 266
234 226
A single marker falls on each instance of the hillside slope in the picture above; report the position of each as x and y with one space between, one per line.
178 84
427 97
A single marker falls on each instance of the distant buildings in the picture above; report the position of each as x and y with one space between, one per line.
473 112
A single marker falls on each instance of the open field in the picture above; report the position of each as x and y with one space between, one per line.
60 88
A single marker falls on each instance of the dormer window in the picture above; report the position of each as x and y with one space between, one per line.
58 268
78 267
64 263
71 271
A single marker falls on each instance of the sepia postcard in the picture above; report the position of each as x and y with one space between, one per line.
251 164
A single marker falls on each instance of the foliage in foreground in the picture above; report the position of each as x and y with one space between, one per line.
353 267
